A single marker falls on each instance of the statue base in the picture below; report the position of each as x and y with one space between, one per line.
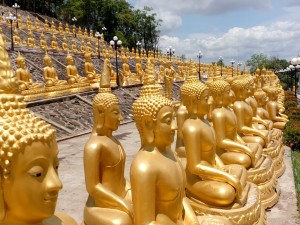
34 94
265 178
57 91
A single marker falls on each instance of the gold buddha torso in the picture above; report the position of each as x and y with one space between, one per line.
72 70
246 111
230 122
24 74
90 67
50 72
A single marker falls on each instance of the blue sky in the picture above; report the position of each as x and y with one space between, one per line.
234 29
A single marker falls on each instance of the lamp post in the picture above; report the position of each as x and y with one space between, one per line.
103 30
170 52
98 35
138 45
74 21
295 67
232 63
16 7
199 56
116 43
239 66
11 19
221 62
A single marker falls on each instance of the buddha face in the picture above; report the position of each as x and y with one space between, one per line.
164 127
32 189
70 60
21 62
227 96
48 61
112 117
203 103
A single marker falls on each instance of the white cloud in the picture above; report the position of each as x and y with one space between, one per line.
276 39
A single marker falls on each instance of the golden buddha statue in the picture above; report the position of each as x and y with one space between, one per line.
54 44
232 149
43 42
109 192
204 168
107 68
79 32
65 45
139 68
46 26
89 69
67 29
161 73
28 23
85 33
74 46
24 77
169 79
82 47
60 28
20 22
29 161
89 47
127 74
50 74
72 73
157 177
16 38
273 109
53 27
31 40
37 24
244 115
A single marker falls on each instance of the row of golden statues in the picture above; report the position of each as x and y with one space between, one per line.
224 169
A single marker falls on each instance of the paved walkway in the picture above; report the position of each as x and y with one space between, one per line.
73 196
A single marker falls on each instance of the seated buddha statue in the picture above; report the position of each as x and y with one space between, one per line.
139 68
107 66
65 45
60 28
104 162
72 73
79 32
169 79
273 109
74 46
67 29
157 177
127 74
46 26
82 47
16 38
54 44
50 74
37 24
85 33
29 163
43 42
30 40
28 23
53 27
2 35
89 47
244 115
20 22
89 69
24 77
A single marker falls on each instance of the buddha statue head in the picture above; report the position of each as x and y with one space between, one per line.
221 92
241 89
16 32
106 109
47 60
261 97
28 159
153 114
53 38
87 56
272 92
30 34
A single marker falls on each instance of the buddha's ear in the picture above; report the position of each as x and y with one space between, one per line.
2 204
148 129
99 118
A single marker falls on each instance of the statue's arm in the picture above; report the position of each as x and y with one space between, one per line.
190 217
272 112
92 166
226 143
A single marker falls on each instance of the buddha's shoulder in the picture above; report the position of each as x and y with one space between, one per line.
60 219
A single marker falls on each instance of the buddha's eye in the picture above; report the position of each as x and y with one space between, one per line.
36 171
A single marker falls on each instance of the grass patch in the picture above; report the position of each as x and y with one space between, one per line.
296 170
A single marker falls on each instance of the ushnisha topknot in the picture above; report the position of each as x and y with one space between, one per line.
18 126
150 101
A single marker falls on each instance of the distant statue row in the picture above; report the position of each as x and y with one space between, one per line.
224 171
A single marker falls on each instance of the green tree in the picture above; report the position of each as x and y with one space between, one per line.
257 61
